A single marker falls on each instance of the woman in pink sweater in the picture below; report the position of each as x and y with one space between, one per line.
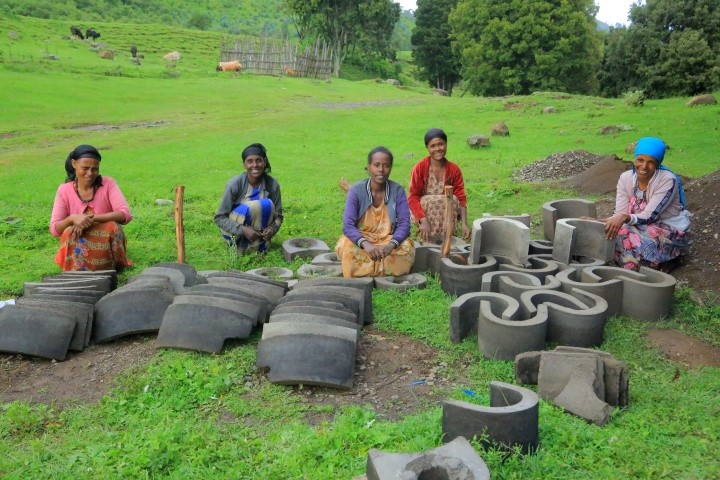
87 216
650 223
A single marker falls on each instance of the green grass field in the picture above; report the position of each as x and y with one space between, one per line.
159 126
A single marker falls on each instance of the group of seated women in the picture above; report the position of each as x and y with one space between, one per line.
650 223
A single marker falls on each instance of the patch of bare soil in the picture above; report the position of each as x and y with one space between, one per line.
394 374
687 351
120 127
83 377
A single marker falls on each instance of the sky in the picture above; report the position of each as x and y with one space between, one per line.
611 11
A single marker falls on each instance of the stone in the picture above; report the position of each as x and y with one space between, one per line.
707 99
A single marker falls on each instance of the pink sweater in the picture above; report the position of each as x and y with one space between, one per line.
108 198
663 200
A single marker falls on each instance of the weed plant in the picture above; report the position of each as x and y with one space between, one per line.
188 415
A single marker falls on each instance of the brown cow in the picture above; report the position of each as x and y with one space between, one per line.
233 66
290 72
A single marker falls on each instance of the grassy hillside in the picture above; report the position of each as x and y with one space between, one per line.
252 17
157 129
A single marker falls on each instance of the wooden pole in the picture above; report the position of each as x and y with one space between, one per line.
179 229
449 221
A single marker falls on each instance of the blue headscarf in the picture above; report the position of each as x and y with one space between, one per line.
656 148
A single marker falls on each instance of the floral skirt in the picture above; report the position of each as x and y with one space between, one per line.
648 245
101 247
357 263
434 208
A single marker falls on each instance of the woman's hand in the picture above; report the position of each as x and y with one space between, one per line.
267 233
424 229
80 223
466 232
251 233
377 252
374 252
614 224
387 249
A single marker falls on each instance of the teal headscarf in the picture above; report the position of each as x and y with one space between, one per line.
656 148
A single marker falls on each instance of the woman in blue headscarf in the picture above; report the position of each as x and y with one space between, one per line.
650 223
250 211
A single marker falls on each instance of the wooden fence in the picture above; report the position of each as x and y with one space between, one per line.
277 57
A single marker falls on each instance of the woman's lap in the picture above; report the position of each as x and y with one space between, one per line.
102 247
357 263
256 214
650 245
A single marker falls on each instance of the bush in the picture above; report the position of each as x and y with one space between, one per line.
634 99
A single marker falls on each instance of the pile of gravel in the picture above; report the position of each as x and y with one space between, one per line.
558 165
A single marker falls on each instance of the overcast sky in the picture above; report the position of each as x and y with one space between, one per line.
611 11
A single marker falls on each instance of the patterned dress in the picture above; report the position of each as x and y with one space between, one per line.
433 203
100 247
375 226
647 245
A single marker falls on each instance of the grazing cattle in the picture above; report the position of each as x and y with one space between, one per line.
76 32
133 51
290 72
91 33
172 56
233 66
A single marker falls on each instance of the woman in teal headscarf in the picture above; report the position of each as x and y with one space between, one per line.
650 224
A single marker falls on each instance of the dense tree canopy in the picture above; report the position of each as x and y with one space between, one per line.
520 46
670 49
433 54
346 23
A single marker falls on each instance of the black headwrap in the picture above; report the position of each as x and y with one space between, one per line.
434 133
259 150
81 151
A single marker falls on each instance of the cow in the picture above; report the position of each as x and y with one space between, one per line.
91 33
290 72
233 66
133 51
75 31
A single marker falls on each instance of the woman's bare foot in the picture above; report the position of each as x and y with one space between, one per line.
344 185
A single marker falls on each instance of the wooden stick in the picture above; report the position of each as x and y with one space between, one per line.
449 221
179 229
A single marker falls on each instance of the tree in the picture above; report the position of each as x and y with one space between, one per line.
688 65
623 67
669 49
518 46
346 23
200 20
433 54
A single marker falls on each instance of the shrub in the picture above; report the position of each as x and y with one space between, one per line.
634 99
